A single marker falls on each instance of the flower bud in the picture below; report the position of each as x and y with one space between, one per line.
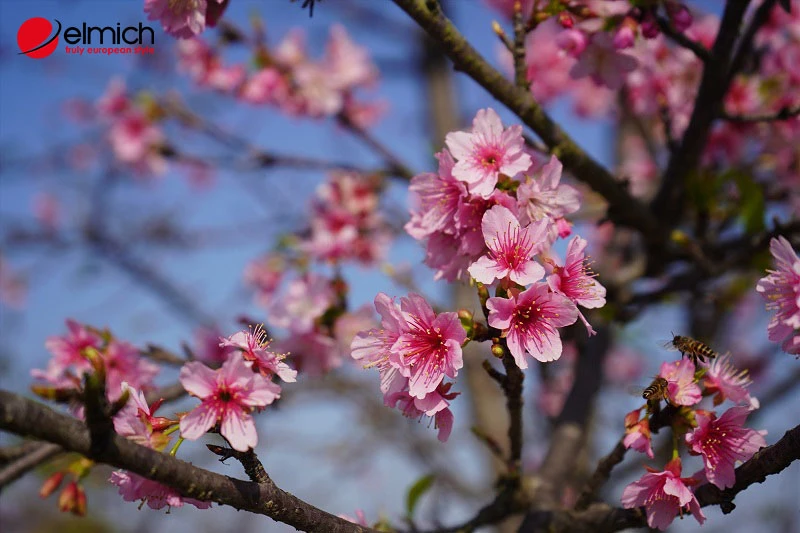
566 20
79 508
68 498
626 34
649 26
573 42
51 484
498 350
679 15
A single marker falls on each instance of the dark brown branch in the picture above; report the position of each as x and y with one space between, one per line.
623 208
518 51
708 104
746 42
702 53
37 453
602 518
785 113
25 417
600 476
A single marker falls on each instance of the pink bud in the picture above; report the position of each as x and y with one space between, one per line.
51 484
679 15
68 498
566 20
573 42
624 38
564 227
649 26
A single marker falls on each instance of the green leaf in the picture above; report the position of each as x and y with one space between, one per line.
420 487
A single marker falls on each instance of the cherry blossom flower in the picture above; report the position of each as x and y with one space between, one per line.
123 364
727 381
439 196
254 344
372 347
434 404
486 152
305 300
722 441
682 389
637 433
544 197
229 394
136 421
135 140
781 289
183 18
603 63
313 353
265 275
133 488
68 349
511 248
430 346
530 320
575 280
664 495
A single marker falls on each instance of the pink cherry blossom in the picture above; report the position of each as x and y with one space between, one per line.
207 347
135 140
254 346
544 197
637 433
265 275
373 347
312 353
229 394
682 389
305 300
135 421
486 152
123 364
603 63
723 441
530 320
434 404
439 196
664 495
511 248
430 347
727 381
575 280
781 289
181 18
133 488
68 350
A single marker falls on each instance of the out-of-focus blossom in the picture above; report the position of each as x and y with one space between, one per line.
13 288
47 210
623 365
184 18
434 404
723 441
312 353
664 495
305 300
207 348
603 63
781 289
637 433
134 488
530 321
229 394
265 275
486 152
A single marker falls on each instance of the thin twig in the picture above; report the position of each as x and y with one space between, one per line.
702 53
785 113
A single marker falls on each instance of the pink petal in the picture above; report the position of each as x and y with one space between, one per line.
198 379
239 429
198 421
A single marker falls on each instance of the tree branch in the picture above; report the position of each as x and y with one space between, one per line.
25 417
623 208
702 53
708 104
785 113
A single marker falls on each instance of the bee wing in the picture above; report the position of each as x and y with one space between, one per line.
668 344
635 390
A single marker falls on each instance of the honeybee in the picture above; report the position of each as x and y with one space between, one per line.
691 348
657 390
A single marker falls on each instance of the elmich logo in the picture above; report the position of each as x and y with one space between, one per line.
34 37
37 39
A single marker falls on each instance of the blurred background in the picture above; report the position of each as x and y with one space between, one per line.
178 244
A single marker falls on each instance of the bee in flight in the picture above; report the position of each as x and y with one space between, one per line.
691 348
657 390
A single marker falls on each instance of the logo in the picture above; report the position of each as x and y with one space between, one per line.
36 39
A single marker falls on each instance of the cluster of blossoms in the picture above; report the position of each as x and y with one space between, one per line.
286 78
345 226
80 352
781 289
486 180
185 18
720 441
589 49
414 349
345 221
